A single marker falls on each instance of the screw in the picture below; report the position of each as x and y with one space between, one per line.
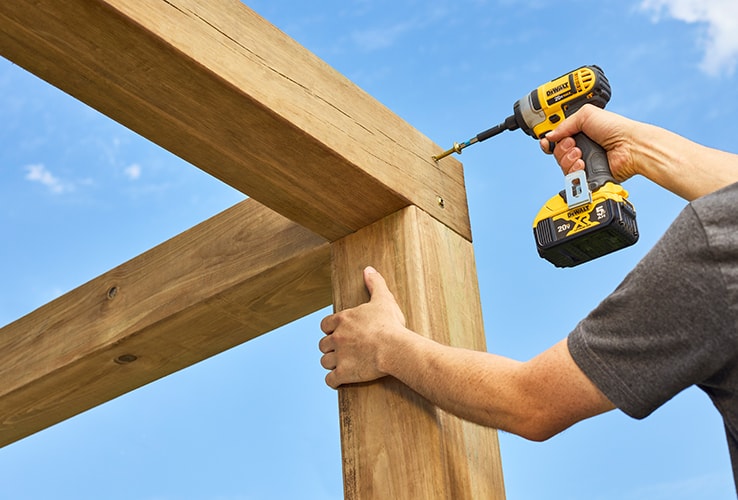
441 202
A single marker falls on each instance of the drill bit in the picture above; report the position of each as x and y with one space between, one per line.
456 149
508 124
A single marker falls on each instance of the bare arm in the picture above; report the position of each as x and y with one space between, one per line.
535 399
685 168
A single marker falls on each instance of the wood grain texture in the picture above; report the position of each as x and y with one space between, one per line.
216 84
395 444
238 275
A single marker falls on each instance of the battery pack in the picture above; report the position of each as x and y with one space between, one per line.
569 237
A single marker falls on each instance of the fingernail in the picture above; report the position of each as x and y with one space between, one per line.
370 270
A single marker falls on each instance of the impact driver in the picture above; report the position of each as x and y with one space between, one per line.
592 216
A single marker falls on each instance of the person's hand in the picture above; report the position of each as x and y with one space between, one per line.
611 131
355 338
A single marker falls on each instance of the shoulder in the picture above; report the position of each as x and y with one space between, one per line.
717 213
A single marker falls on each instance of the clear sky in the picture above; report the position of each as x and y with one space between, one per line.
80 194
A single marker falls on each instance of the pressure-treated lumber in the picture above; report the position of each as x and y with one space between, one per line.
395 444
242 273
219 86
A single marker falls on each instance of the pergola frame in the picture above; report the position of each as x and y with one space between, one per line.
336 181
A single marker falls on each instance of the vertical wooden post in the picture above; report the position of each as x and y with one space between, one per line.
395 444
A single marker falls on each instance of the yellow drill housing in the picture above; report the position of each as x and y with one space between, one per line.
548 105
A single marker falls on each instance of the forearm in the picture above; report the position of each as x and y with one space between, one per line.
685 168
460 381
534 399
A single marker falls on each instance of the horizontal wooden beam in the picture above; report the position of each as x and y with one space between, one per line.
222 88
242 273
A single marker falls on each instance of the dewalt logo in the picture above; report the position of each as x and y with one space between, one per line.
581 210
557 89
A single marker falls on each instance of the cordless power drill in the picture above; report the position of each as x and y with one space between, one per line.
592 216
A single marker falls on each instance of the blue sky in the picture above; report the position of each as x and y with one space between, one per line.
79 194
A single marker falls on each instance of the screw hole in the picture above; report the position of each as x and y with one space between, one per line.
112 292
124 359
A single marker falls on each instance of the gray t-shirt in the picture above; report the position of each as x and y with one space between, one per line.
673 321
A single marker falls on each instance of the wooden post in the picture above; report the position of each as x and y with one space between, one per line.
395 444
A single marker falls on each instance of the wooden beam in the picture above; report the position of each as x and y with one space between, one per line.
242 273
395 444
219 86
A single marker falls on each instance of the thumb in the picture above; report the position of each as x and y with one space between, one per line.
375 282
377 286
381 295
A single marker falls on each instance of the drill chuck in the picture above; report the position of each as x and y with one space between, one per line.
510 123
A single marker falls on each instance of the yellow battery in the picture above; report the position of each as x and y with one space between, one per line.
567 237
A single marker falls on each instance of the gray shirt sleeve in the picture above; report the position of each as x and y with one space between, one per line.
665 328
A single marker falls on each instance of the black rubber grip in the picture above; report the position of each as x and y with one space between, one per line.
595 162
